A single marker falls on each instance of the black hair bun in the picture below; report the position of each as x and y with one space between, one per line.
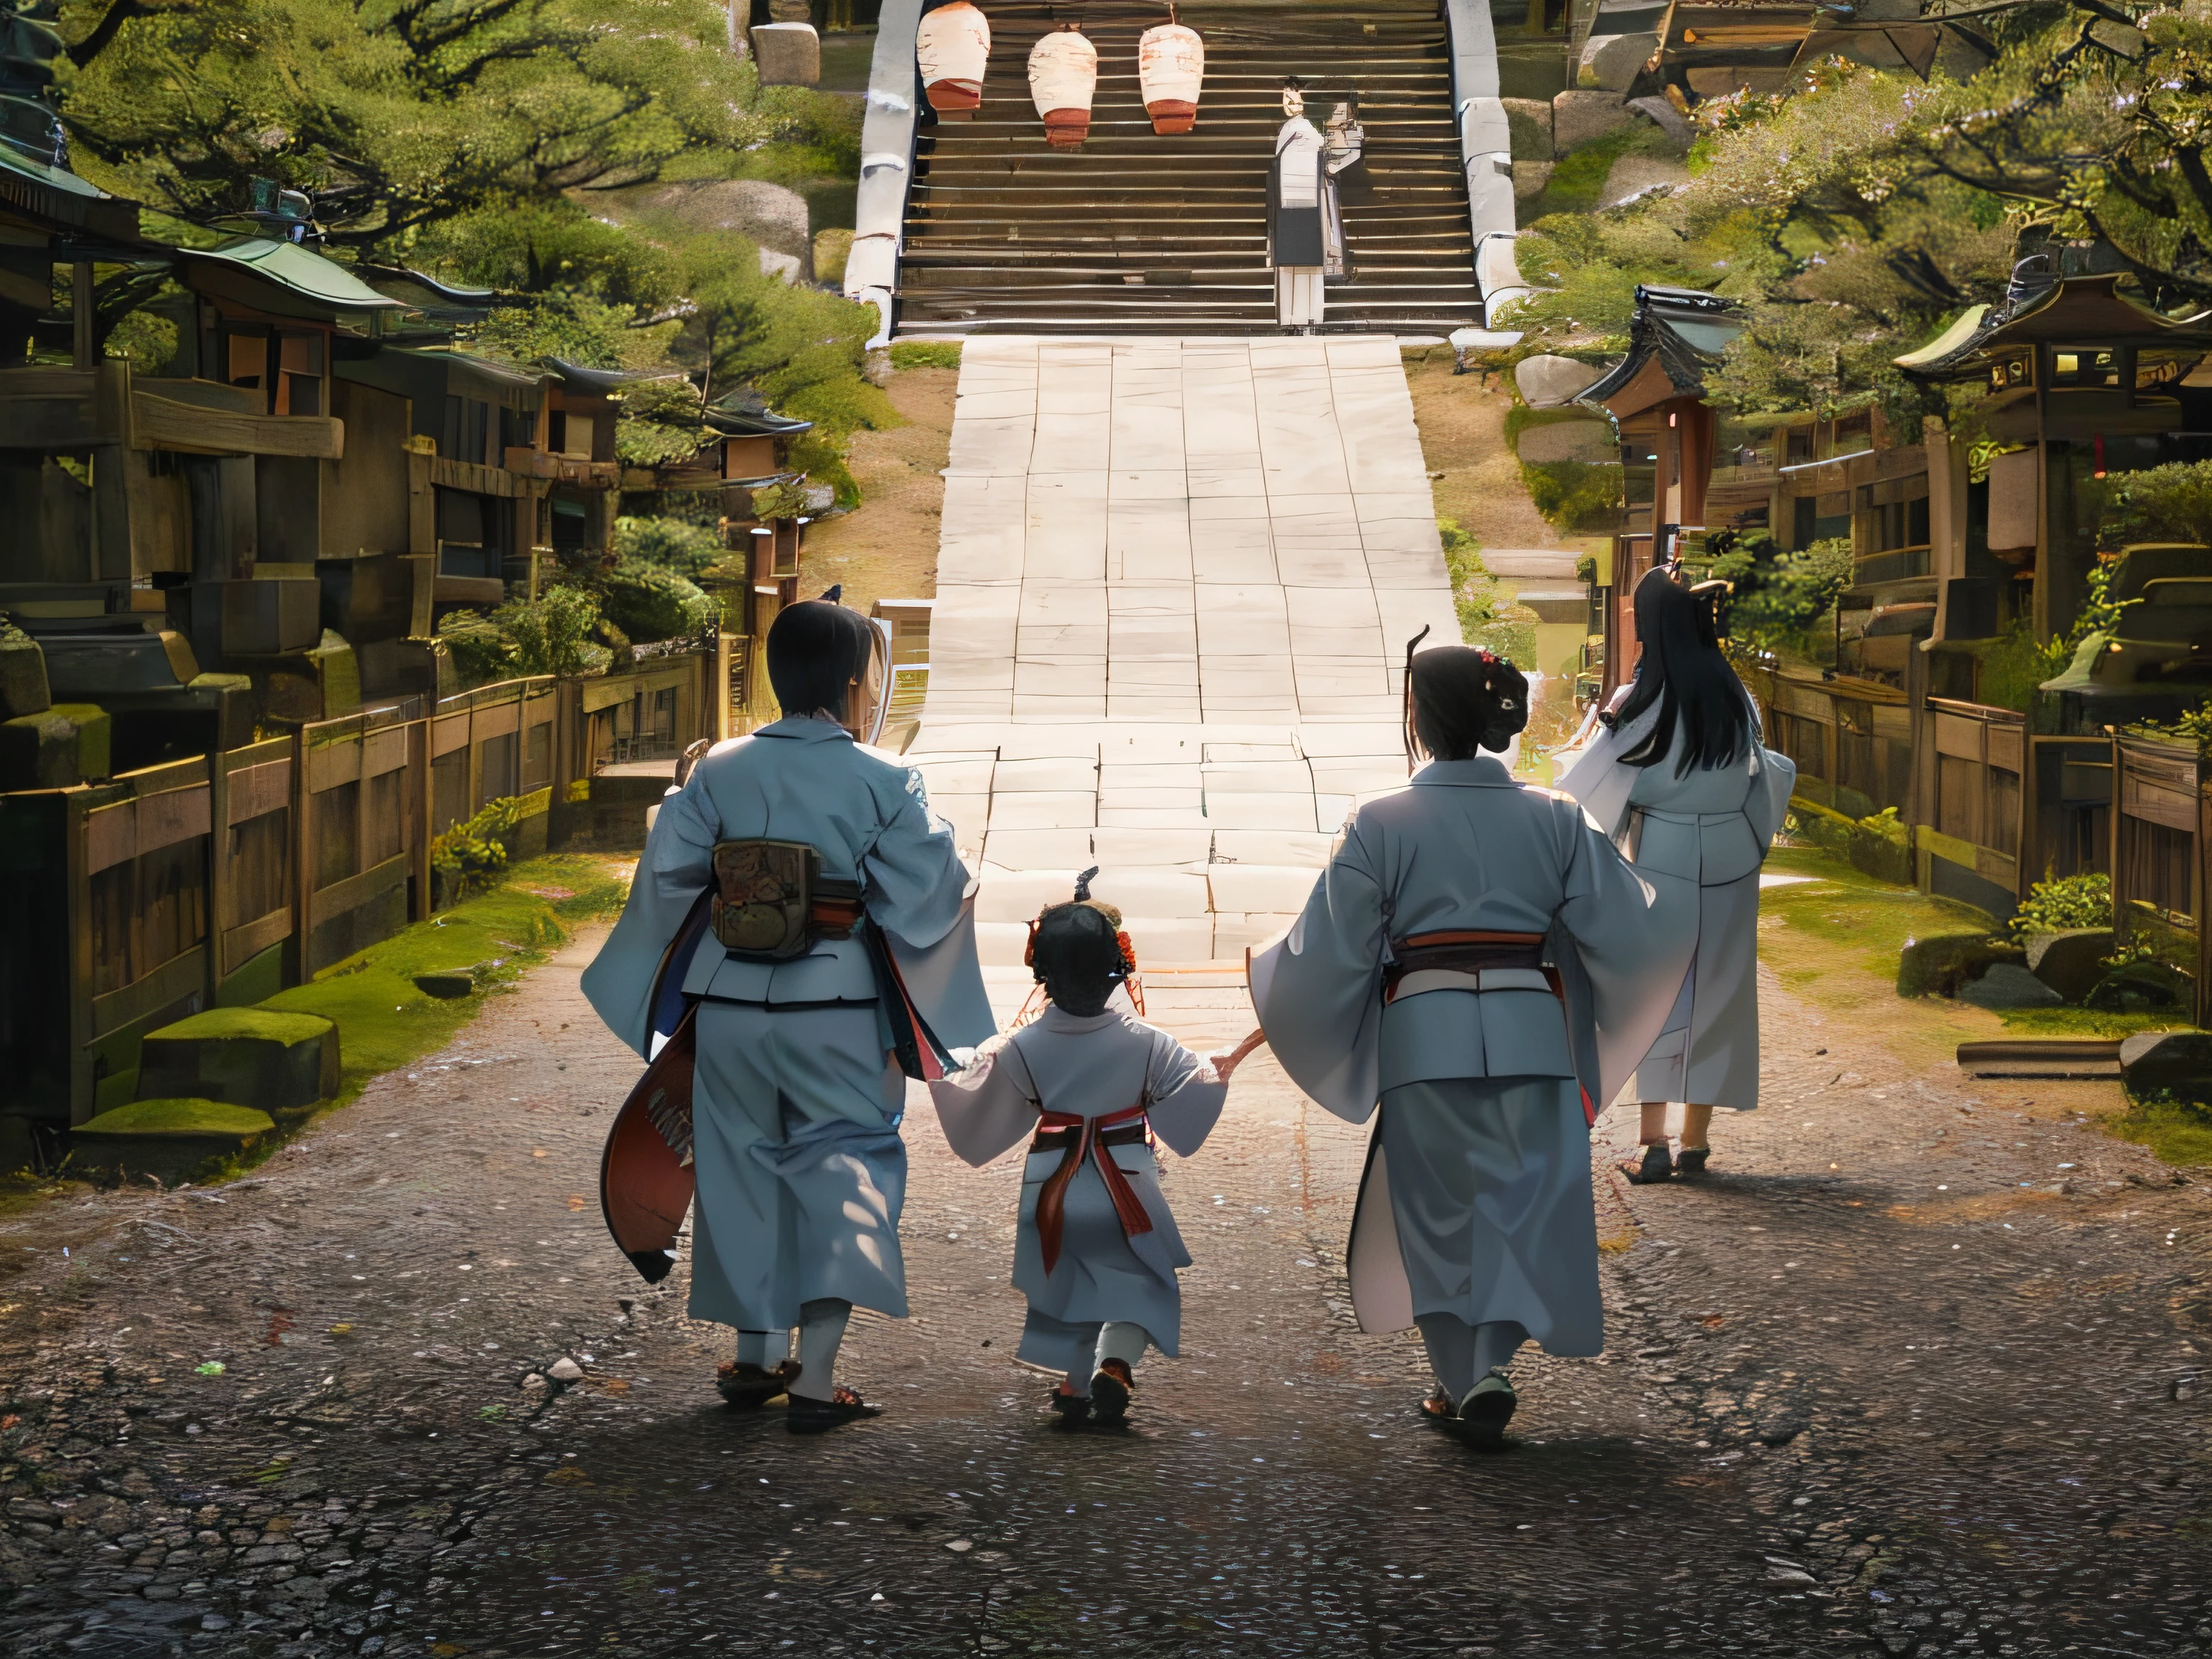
1466 700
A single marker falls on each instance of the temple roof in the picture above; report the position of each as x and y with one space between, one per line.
1675 337
2073 311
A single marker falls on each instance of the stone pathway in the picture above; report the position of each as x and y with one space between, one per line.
1176 581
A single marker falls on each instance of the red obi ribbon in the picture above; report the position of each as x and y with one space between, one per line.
1077 1138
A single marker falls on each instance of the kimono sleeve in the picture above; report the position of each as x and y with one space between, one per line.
1186 1096
673 871
922 897
1597 779
1318 991
1769 803
916 883
1629 936
988 1107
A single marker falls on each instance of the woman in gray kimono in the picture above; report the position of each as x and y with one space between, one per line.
1679 775
1096 1251
798 1097
1483 961
1305 234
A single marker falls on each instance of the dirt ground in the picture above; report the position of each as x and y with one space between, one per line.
1875 1386
1462 424
887 549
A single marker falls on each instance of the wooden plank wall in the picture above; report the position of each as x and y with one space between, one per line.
223 878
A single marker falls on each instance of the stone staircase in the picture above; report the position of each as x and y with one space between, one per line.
1139 234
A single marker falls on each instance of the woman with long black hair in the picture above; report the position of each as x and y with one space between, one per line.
1680 776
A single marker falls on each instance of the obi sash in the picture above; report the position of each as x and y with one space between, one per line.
1466 952
1076 1139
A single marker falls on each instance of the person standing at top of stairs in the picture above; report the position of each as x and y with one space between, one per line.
1302 225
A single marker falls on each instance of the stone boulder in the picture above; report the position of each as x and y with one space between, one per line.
2008 985
263 1058
1669 119
2177 1061
1613 61
1530 179
1579 117
787 54
171 1141
1939 964
1633 176
773 216
1547 382
2069 963
2140 987
69 743
1529 120
23 688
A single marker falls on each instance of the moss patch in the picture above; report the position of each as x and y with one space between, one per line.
1835 940
383 1021
925 354
268 1024
2174 1131
180 1117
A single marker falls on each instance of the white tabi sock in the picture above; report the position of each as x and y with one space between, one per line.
1120 1340
753 1346
821 1330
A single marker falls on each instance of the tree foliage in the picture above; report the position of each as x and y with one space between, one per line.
2169 503
397 115
1777 597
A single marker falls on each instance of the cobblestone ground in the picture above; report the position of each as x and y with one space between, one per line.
1915 1372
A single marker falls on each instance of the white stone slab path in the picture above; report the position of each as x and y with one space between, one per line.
1174 591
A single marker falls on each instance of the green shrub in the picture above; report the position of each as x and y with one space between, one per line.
2195 726
550 635
470 854
1571 494
1511 633
2069 901
1777 598
671 544
1881 846
2169 503
648 603
925 354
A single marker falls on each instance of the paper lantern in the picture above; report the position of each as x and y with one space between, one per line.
1063 76
1171 69
952 45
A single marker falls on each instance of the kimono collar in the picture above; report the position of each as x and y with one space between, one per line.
805 727
1482 771
1055 1019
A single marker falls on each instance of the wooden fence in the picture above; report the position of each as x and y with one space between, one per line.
222 879
2162 831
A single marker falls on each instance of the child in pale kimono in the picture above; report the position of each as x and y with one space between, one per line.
1097 1250
1478 959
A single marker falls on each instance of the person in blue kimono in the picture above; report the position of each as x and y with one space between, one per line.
1481 962
1089 1085
798 1096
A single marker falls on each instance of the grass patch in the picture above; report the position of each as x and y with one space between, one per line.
925 354
267 1025
383 1021
1579 178
2174 1131
191 1116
